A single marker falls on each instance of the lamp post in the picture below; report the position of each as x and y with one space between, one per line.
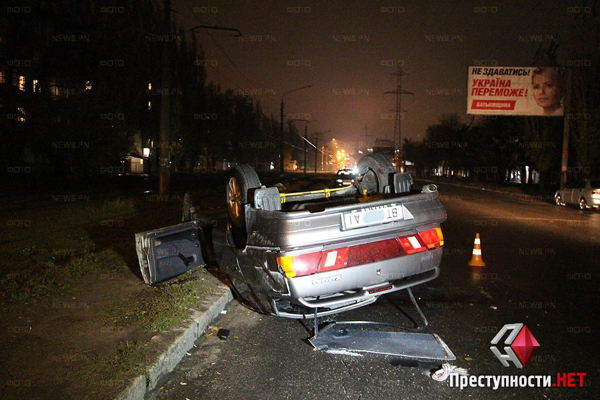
281 128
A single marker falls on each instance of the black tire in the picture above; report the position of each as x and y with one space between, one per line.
207 246
583 204
242 179
374 171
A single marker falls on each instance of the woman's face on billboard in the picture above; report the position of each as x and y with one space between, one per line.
546 91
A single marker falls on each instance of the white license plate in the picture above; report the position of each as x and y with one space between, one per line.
374 216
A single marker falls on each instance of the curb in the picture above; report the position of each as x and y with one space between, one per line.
166 362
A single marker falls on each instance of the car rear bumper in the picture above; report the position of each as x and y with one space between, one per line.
365 281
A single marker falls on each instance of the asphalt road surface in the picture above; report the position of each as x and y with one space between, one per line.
542 270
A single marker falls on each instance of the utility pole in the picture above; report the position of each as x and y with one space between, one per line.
566 130
366 142
316 145
165 106
305 142
164 136
398 112
316 139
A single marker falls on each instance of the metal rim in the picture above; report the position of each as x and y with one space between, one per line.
582 204
234 201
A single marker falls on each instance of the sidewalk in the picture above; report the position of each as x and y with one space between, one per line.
169 348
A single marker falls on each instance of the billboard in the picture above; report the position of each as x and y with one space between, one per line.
516 91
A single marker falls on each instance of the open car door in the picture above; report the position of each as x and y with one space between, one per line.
166 253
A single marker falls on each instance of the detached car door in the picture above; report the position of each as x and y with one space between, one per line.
166 253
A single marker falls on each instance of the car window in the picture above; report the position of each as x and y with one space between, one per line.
595 183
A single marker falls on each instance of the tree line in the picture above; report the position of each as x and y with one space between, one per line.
499 148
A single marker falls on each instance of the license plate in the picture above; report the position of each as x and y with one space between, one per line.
375 216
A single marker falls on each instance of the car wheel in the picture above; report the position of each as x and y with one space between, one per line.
583 204
558 200
374 171
243 178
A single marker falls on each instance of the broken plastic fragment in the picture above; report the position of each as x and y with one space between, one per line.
223 334
447 369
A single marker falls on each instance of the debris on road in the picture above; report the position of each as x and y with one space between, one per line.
223 334
442 374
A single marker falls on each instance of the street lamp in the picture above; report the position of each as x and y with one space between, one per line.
281 132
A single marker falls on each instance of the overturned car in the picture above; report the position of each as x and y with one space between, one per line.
295 254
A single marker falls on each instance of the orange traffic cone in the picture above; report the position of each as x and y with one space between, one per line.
476 260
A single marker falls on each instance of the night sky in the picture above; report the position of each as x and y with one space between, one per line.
348 51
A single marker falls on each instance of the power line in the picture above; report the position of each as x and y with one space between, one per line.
220 47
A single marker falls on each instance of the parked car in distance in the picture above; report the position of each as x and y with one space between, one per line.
585 194
344 177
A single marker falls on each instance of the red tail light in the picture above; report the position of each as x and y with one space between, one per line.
413 244
372 252
368 253
304 264
333 259
433 238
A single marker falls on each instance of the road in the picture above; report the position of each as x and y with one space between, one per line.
542 270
